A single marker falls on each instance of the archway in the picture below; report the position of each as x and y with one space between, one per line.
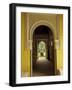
43 57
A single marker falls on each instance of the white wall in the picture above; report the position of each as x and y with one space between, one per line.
4 44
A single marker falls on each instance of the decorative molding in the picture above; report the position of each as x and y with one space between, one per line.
57 43
41 22
30 44
57 32
27 30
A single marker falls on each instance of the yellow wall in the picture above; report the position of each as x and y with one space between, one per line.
60 49
35 17
25 52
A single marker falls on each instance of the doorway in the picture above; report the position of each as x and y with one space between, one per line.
43 57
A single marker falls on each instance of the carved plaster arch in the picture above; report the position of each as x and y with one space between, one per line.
41 22
34 26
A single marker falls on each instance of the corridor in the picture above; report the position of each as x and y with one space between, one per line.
43 68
